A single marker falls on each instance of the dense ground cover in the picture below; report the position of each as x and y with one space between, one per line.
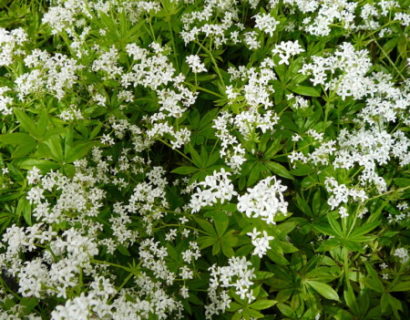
218 159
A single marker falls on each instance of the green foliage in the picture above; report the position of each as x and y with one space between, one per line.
319 263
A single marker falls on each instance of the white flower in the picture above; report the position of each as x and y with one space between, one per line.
266 23
195 63
402 253
237 275
33 175
287 49
261 244
343 212
264 200
341 193
216 187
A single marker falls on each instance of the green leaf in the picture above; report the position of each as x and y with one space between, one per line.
123 250
196 158
227 251
357 234
80 150
334 225
276 255
306 91
324 290
350 299
286 310
206 226
402 182
23 150
54 146
303 205
206 241
28 124
24 209
263 304
278 169
302 170
401 286
16 138
184 170
221 222
44 165
373 281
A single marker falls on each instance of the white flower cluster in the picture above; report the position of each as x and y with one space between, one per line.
69 255
5 101
195 63
403 216
153 70
297 102
261 243
369 145
103 301
231 149
264 201
266 23
370 148
217 19
238 275
54 73
353 66
287 49
58 270
402 254
321 16
107 63
330 11
10 41
217 187
254 84
340 195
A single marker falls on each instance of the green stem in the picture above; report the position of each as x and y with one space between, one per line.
180 226
173 42
390 60
130 275
388 192
204 90
110 264
6 287
176 150
213 60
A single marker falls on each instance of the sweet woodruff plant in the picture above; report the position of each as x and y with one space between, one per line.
217 159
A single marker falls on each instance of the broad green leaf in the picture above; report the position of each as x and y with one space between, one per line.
221 222
206 226
44 165
23 150
206 241
28 124
54 146
278 169
263 304
17 138
184 170
334 225
286 310
401 286
24 209
373 281
306 91
79 151
324 290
